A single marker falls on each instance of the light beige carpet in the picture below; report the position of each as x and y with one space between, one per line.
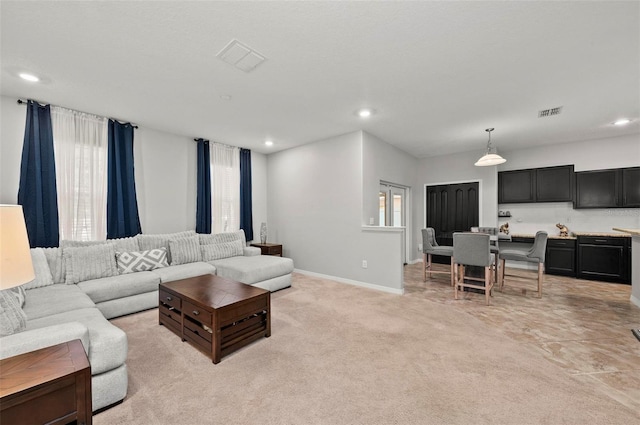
341 354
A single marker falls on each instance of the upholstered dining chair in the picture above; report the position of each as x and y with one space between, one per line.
472 249
534 255
494 247
429 248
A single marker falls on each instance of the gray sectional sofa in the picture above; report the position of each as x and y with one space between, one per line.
81 285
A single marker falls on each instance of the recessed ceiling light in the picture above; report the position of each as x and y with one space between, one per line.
268 142
365 113
622 121
29 77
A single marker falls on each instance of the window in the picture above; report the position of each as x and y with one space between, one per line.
225 188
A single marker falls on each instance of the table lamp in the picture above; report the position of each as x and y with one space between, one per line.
16 267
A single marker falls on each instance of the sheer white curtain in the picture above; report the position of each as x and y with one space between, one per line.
80 143
225 188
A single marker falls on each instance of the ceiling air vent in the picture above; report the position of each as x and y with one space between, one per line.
241 56
549 112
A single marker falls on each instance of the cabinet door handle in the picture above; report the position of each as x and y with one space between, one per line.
169 298
195 312
601 240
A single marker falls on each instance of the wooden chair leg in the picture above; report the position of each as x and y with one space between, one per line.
487 283
455 278
502 273
430 265
540 276
424 267
453 282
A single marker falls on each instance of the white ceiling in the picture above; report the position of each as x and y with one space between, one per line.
437 73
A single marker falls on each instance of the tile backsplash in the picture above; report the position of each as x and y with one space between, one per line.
529 218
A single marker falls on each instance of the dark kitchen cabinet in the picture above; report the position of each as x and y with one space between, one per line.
631 187
516 186
560 257
598 189
555 184
549 184
604 258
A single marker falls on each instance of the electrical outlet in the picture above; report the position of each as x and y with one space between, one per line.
419 247
371 221
364 264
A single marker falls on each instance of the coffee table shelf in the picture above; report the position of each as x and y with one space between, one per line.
214 314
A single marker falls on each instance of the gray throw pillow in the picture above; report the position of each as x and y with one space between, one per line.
20 294
121 244
185 250
41 270
91 262
12 317
153 241
140 261
221 250
56 263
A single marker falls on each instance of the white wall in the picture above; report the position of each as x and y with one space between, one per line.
381 161
587 155
449 169
165 166
315 211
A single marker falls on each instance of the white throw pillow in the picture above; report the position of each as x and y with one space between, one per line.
89 262
41 270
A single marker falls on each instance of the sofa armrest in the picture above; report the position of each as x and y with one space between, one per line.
35 339
251 251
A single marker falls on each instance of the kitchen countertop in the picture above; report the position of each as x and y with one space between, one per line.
633 232
524 235
605 234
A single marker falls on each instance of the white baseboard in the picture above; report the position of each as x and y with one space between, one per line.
352 282
635 301
416 261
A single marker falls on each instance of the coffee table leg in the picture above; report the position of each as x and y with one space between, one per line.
268 331
216 340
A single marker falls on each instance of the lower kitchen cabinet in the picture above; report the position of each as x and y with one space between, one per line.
604 258
560 258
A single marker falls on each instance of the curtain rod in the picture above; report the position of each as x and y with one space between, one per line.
21 102
218 143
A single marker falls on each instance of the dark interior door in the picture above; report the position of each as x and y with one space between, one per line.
451 208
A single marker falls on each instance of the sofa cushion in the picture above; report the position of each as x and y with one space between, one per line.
41 269
12 317
109 288
54 299
152 241
215 238
140 261
91 262
251 270
56 263
121 244
185 250
221 250
184 271
107 343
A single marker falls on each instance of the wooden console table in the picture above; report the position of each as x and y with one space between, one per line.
269 248
51 385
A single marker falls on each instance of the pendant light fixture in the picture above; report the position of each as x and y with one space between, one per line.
490 158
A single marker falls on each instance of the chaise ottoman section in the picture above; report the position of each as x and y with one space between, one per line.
251 270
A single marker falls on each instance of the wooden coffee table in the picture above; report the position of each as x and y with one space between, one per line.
214 314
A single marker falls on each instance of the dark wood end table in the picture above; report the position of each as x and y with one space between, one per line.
214 314
51 385
269 248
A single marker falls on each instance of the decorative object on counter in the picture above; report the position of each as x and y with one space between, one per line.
263 232
564 231
505 228
491 157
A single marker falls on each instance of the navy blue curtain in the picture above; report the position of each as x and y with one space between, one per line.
246 203
203 198
37 189
122 203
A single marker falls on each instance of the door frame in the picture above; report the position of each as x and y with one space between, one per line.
408 215
424 203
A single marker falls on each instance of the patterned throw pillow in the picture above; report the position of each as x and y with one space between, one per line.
20 294
41 269
221 250
185 250
90 262
12 317
140 261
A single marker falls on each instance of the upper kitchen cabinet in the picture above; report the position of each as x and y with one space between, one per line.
550 184
555 184
631 187
516 186
619 188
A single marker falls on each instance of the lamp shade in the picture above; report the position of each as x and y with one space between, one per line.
15 258
490 159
